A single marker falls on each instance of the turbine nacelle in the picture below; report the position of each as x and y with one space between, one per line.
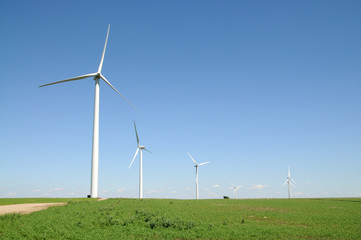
97 76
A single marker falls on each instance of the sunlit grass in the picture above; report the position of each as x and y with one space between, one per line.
190 219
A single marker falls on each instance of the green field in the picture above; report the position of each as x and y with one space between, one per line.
189 219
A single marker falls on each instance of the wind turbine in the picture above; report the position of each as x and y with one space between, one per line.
289 183
235 187
141 148
196 166
95 151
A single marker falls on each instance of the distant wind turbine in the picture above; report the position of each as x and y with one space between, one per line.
196 166
141 148
289 183
236 188
95 151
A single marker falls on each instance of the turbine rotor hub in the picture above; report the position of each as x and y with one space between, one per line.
97 76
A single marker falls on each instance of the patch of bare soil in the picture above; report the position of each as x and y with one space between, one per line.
26 208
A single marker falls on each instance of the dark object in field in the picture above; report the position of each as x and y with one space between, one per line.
89 196
225 197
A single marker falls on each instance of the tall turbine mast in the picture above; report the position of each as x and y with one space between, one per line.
289 183
236 188
95 147
196 166
139 149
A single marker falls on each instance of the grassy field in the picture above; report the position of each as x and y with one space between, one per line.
190 219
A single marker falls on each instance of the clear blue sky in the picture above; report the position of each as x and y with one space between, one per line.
251 86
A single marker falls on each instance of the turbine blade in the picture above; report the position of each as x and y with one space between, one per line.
105 46
71 79
136 133
203 163
192 158
105 80
292 185
234 185
136 152
293 180
147 150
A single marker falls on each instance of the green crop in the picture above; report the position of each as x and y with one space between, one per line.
190 219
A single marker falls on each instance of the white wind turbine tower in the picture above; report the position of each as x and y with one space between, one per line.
141 148
196 166
236 188
95 151
289 183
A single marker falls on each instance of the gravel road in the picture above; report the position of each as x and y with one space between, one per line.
26 208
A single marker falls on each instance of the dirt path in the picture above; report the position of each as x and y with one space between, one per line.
27 208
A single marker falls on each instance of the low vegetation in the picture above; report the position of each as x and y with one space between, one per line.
190 219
